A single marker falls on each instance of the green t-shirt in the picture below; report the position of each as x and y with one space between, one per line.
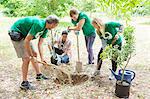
111 27
32 25
88 29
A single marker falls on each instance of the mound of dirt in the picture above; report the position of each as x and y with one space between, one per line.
74 79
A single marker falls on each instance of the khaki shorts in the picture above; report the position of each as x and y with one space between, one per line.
20 49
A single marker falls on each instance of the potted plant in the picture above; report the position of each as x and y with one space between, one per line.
122 57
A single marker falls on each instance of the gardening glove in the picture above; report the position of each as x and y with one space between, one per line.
76 32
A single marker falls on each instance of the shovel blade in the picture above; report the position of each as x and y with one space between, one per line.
78 67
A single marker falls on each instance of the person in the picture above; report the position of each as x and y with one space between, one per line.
63 50
109 35
82 21
22 32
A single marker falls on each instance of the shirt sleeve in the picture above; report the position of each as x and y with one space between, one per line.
34 29
82 16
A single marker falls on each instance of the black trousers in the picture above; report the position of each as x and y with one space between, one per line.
58 51
99 60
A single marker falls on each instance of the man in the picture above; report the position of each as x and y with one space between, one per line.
63 50
83 22
30 28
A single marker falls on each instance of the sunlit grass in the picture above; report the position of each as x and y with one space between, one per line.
6 50
145 23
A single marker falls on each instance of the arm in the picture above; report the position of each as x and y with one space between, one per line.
67 49
120 31
40 48
27 45
79 26
50 46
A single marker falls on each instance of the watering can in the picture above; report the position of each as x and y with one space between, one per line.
128 75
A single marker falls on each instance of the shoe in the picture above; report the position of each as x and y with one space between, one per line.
89 64
111 76
41 77
25 85
96 73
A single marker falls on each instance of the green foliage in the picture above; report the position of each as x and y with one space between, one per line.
114 8
125 53
86 5
118 8
13 7
41 8
143 8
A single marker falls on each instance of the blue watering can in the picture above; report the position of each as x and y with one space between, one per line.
128 75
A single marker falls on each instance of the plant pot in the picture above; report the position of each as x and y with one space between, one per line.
122 89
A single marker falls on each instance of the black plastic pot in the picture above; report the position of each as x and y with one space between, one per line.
122 89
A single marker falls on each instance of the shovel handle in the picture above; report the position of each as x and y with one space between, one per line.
78 48
46 64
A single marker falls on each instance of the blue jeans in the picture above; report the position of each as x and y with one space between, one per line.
89 40
65 59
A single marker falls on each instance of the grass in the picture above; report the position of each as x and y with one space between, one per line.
145 23
6 51
65 24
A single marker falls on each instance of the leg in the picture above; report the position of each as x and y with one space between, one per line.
99 60
114 65
35 66
65 59
91 54
25 66
21 53
89 45
33 61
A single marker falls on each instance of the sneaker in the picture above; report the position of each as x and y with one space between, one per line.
96 73
89 64
41 77
111 76
25 85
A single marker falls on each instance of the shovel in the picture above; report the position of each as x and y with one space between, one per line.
78 63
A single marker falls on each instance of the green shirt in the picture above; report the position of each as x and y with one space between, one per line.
111 27
88 29
32 25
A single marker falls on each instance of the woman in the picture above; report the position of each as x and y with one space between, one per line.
109 35
63 50
82 21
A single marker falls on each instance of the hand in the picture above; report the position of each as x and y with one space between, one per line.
116 37
63 54
34 54
68 28
43 61
76 32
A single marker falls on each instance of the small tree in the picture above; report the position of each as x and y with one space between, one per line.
124 55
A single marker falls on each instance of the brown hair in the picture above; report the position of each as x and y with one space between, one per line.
73 11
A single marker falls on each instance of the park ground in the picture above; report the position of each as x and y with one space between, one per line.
102 88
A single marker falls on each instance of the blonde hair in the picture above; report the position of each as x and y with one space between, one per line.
98 22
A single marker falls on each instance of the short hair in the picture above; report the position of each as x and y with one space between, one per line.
73 11
52 19
64 32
